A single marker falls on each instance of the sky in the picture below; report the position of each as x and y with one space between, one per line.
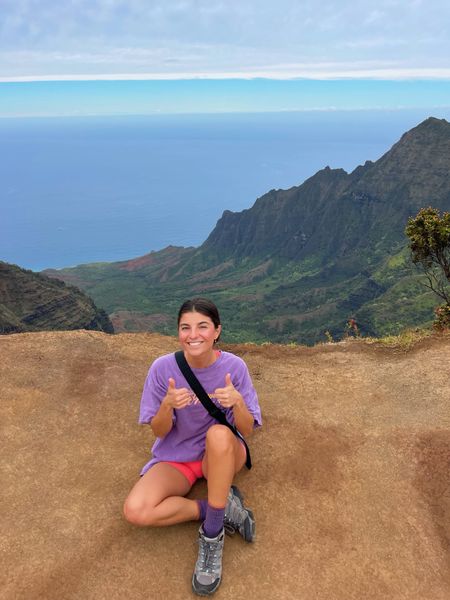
132 56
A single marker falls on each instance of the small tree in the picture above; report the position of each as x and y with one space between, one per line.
429 235
352 328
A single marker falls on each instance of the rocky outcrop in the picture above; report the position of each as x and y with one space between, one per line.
33 302
281 223
333 213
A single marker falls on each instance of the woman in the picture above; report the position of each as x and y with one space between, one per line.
191 444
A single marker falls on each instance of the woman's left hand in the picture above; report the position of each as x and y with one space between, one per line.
228 396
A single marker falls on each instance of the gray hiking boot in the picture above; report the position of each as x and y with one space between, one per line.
237 517
208 568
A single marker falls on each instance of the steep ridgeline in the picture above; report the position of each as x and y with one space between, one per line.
301 261
334 214
33 302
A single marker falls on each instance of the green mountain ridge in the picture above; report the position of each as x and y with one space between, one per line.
33 302
300 261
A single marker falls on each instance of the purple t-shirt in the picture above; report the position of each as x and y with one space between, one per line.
185 442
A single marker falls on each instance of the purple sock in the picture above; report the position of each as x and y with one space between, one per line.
202 506
213 523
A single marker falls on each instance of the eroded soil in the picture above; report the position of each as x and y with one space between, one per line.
350 485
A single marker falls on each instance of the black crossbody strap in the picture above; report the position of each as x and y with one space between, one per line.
213 410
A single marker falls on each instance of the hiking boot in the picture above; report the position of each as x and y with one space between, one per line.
237 517
208 568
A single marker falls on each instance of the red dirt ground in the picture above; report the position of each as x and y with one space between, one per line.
350 488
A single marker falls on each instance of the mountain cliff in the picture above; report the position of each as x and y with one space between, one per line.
334 213
299 262
33 302
281 223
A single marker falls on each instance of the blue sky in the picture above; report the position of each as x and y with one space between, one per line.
130 56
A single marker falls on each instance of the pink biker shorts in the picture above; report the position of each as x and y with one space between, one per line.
193 470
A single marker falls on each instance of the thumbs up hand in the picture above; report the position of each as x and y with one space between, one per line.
176 397
228 396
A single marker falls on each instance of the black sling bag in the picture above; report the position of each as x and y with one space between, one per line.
213 410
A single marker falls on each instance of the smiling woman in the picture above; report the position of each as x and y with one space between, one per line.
198 330
191 444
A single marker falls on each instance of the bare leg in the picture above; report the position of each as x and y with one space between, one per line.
224 457
157 498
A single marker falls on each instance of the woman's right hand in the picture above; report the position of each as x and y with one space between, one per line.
177 397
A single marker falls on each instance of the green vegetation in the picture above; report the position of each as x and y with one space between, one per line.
403 341
429 235
303 263
33 302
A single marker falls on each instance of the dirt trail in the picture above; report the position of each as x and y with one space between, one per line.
350 488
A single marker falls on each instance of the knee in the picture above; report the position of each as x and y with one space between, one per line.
220 438
138 512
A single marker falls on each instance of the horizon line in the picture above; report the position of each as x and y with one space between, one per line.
421 74
330 109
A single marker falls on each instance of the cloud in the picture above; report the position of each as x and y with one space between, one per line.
370 42
281 72
374 16
111 37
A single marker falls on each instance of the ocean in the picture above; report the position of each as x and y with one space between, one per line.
89 189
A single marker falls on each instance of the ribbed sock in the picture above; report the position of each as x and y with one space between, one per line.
202 506
213 523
